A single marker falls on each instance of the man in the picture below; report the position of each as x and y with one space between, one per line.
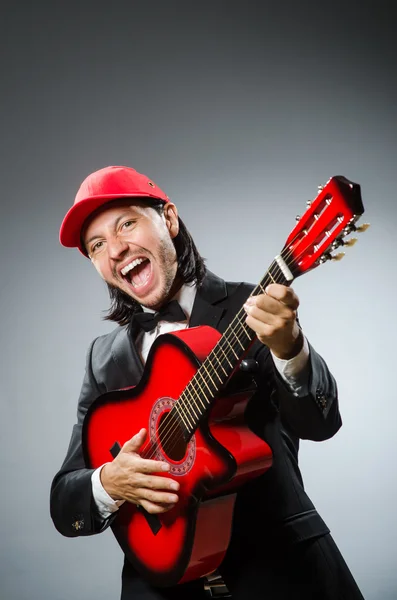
280 547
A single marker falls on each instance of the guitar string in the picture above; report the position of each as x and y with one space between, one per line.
183 403
173 427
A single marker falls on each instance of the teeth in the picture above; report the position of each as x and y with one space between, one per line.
131 265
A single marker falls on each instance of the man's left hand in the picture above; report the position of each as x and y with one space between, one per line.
273 318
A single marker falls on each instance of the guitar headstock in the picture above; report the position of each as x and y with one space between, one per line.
328 220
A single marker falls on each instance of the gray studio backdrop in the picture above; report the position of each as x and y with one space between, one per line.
238 111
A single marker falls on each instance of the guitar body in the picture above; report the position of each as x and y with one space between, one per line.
191 539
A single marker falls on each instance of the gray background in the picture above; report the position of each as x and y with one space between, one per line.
238 111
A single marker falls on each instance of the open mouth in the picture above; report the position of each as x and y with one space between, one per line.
137 272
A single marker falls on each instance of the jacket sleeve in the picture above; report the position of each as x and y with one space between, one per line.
314 416
72 506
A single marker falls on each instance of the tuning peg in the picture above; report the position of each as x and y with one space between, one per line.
297 218
308 203
320 188
325 257
362 228
338 256
350 242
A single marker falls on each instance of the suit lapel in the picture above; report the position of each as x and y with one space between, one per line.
127 358
205 310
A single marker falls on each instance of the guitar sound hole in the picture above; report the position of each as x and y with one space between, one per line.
171 437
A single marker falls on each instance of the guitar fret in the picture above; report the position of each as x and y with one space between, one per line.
236 336
280 274
191 405
208 373
247 331
231 348
201 390
194 393
227 360
213 368
204 381
211 383
226 368
177 408
195 398
225 348
219 363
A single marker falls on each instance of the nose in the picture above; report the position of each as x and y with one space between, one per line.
116 247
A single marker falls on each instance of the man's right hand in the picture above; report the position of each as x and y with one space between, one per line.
132 478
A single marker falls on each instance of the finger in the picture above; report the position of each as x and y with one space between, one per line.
283 294
135 443
267 304
145 465
157 483
277 316
154 509
155 496
263 330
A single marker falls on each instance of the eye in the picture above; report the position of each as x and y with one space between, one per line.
127 224
97 246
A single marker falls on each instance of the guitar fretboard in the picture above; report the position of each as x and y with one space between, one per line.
224 358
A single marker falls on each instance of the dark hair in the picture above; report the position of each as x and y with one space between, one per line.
191 268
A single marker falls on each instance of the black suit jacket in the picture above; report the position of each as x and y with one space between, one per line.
274 506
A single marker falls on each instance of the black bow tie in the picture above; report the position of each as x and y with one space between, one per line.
170 312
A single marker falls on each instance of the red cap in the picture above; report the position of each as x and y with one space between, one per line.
99 188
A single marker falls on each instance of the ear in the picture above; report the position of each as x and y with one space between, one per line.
171 219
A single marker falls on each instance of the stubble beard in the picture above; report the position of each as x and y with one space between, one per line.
167 260
167 265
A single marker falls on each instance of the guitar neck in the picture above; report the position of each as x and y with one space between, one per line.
328 219
225 357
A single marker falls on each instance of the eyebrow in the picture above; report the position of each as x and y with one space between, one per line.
116 222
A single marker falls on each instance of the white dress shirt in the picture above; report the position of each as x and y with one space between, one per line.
292 371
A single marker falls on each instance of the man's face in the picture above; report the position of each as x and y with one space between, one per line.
131 247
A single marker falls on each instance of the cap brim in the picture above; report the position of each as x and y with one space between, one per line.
72 224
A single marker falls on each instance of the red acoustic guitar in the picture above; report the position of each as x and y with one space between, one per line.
199 431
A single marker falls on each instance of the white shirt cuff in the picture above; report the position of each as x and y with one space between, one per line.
105 504
294 371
